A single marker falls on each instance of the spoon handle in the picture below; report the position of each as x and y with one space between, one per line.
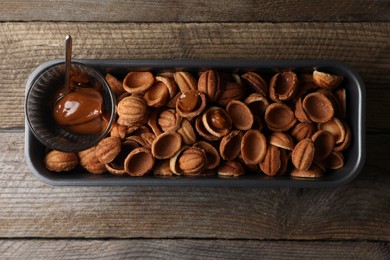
68 55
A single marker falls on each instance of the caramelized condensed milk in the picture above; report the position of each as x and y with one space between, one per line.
80 111
189 101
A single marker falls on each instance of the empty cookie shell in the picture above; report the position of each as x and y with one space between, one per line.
258 123
336 127
250 167
202 131
257 103
281 140
135 139
347 140
231 169
326 80
170 84
216 121
139 162
283 86
299 112
240 115
130 143
321 165
138 130
279 117
341 97
329 94
148 139
118 130
237 79
334 161
115 84
323 144
253 147
153 123
213 158
318 107
138 82
230 145
191 103
117 166
113 169
166 145
157 95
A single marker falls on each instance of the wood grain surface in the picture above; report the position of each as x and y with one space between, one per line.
195 10
30 208
365 46
38 221
190 249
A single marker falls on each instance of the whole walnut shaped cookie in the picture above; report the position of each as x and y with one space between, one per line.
108 149
189 161
132 111
303 154
60 162
210 84
90 162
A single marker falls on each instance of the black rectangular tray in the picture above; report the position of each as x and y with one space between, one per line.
354 156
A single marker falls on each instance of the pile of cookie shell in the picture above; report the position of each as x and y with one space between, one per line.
219 123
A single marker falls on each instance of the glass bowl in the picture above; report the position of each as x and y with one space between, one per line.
39 108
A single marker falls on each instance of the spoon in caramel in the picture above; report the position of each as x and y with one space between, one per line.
67 88
77 109
68 55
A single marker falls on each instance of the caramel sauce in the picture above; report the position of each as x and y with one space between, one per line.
80 111
219 120
189 101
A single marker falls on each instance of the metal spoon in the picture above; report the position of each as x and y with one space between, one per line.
67 88
68 56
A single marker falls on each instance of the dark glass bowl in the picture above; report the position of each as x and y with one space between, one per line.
38 109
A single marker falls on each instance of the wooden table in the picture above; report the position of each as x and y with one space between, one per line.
38 221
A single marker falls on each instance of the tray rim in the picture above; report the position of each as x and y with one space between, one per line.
204 181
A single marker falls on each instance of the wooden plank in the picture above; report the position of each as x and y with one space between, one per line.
190 249
195 11
30 208
365 46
